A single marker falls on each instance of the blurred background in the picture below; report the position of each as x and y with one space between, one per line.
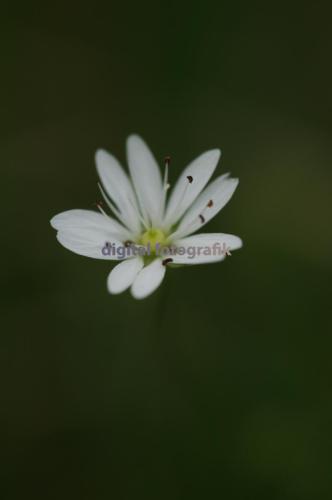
219 384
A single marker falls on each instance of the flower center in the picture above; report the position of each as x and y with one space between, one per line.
154 238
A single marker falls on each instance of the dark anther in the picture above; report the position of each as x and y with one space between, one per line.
201 218
210 204
128 243
167 261
190 179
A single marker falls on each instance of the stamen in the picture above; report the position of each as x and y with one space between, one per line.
128 243
183 194
190 180
109 203
116 212
140 216
167 261
210 204
167 161
201 218
99 205
166 187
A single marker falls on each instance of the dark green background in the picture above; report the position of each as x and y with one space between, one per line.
218 385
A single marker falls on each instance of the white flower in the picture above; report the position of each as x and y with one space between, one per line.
145 219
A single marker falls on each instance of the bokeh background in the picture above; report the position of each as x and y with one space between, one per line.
218 385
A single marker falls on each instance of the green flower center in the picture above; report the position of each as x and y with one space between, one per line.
154 239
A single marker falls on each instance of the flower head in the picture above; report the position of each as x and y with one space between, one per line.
147 232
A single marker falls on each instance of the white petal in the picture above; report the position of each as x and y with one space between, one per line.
87 219
148 279
91 242
205 248
118 188
123 275
146 177
185 193
219 192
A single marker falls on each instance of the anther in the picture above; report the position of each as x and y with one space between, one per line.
167 161
190 178
210 204
201 218
167 261
128 243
